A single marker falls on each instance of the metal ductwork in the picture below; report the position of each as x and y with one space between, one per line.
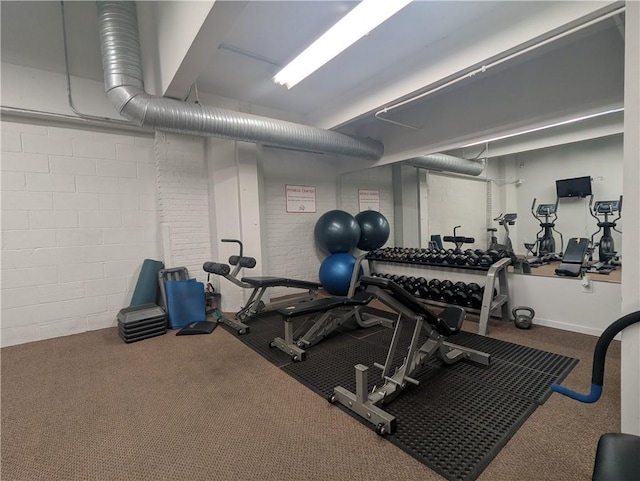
119 44
447 163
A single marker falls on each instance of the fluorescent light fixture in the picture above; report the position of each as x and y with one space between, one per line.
364 17
544 127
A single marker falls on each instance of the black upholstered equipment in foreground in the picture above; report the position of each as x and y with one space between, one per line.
617 457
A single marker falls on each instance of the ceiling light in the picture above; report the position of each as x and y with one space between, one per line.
544 127
364 17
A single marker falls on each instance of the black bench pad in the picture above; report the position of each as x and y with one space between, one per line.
448 323
325 304
570 270
267 281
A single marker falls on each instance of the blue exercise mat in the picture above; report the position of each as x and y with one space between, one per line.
185 302
146 291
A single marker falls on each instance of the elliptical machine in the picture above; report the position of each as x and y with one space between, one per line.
504 220
607 255
544 248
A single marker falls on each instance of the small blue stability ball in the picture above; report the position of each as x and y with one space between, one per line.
335 273
336 231
374 230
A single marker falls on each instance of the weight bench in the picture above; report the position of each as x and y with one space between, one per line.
326 315
259 286
573 258
437 328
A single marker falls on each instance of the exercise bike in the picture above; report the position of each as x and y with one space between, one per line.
544 248
504 220
520 265
607 255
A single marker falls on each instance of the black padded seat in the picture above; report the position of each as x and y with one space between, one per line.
459 239
448 323
268 281
617 458
325 304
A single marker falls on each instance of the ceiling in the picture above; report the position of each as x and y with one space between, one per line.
416 43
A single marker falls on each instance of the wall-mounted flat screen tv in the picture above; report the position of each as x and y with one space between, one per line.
576 187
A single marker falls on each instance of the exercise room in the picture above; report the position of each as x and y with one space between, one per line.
320 240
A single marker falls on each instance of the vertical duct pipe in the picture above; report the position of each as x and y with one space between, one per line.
124 86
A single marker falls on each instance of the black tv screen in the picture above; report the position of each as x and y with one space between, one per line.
576 187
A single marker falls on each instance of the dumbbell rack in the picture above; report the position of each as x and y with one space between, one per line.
496 278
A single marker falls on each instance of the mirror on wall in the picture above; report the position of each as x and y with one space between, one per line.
509 184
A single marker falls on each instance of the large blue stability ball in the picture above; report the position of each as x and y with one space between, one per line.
335 273
374 230
336 231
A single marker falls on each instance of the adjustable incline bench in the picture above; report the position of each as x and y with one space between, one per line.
326 315
436 327
259 286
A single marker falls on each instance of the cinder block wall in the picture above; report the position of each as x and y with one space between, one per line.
183 201
291 249
78 217
380 179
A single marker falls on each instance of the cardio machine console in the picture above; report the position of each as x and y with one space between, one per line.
606 206
546 209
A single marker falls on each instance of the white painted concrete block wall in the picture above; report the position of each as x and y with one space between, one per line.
78 219
457 201
380 179
291 249
183 201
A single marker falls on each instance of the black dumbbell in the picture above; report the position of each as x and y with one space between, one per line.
495 255
435 293
448 291
423 291
485 260
461 259
461 298
472 258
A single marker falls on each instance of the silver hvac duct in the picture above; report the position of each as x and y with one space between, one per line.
447 163
124 85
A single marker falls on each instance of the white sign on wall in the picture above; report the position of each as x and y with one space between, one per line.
368 200
300 198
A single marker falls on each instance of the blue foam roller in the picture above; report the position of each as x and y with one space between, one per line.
185 302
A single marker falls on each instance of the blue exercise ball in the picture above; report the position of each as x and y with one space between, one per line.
336 231
374 230
335 273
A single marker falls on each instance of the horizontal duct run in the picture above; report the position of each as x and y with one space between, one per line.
447 163
120 47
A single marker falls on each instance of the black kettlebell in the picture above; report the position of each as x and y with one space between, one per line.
523 321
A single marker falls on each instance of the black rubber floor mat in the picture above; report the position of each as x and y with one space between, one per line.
459 416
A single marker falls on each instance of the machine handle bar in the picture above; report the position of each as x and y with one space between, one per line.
599 356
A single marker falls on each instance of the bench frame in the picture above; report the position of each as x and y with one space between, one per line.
367 404
327 315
